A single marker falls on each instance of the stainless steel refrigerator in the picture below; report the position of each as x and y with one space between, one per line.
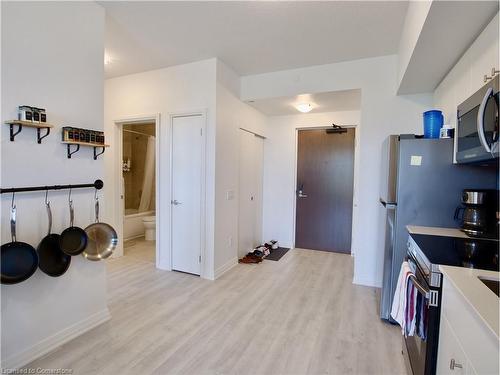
420 186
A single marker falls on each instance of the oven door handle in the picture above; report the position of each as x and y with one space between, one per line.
423 290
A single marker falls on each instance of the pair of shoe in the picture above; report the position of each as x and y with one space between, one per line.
258 252
247 260
250 258
263 250
272 245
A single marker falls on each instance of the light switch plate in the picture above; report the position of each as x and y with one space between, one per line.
416 160
229 195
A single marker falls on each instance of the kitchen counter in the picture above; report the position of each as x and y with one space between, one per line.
436 231
483 301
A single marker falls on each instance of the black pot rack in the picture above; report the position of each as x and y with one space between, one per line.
98 184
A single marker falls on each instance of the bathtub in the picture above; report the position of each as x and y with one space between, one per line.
132 223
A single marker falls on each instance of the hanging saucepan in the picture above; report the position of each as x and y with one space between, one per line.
19 259
73 240
52 260
102 238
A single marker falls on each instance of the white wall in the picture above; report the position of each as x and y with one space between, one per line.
173 90
416 14
466 77
279 168
382 113
59 68
205 85
232 114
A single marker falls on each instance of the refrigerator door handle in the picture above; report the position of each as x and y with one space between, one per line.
388 290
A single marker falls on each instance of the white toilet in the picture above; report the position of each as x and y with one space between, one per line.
149 227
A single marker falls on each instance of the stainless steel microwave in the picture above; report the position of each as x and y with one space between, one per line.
477 126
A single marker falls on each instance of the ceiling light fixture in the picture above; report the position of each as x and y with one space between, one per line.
304 107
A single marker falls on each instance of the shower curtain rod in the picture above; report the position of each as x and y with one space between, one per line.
135 132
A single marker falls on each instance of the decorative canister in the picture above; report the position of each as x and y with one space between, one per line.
25 113
36 114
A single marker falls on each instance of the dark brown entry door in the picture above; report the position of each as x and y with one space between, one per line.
325 174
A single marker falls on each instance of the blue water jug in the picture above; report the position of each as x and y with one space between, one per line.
433 122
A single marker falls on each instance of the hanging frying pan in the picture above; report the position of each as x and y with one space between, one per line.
19 260
52 260
102 238
73 240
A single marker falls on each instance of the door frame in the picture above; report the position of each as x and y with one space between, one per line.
355 179
204 117
118 188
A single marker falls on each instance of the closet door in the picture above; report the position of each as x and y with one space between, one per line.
250 192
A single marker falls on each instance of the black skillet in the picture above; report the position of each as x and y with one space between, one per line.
19 260
52 260
73 240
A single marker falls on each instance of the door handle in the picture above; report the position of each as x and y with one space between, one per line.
426 293
480 120
175 202
300 192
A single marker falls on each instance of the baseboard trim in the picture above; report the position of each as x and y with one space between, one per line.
48 344
133 237
225 267
366 282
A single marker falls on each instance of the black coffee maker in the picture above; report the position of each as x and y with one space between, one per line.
477 214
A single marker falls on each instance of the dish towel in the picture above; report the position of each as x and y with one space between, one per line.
411 309
421 323
399 311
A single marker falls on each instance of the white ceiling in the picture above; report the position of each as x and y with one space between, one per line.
251 37
349 100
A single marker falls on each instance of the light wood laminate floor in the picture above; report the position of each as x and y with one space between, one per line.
140 249
301 315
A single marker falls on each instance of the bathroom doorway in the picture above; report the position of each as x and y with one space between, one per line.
139 190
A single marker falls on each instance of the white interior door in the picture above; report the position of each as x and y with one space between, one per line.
187 146
250 192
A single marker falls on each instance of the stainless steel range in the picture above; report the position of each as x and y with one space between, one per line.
426 253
